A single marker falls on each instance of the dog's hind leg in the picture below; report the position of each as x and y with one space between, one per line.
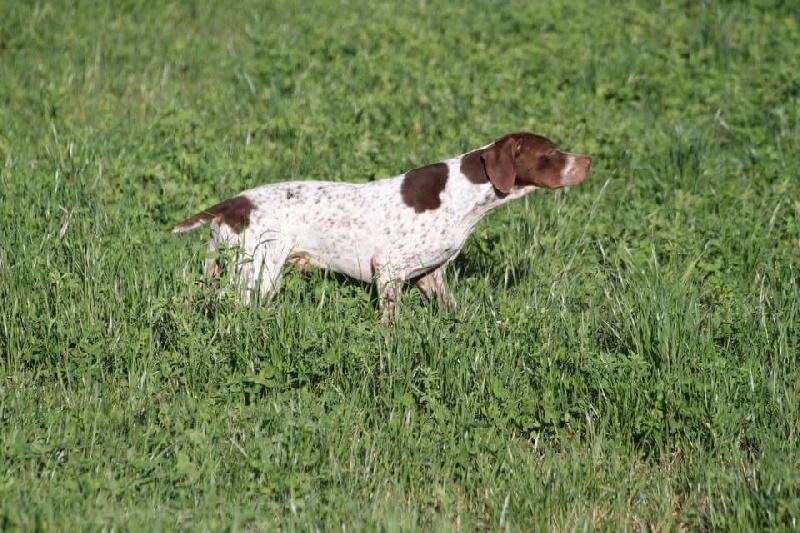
212 268
261 267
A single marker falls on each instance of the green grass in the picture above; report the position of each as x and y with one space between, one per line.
624 355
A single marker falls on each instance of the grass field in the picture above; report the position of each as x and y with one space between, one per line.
624 354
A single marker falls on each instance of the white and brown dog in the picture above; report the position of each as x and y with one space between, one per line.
388 231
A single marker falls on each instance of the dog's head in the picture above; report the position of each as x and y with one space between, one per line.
526 159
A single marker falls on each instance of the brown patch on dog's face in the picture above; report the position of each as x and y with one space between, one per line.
421 188
539 162
525 159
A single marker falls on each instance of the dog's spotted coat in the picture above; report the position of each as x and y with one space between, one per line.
388 231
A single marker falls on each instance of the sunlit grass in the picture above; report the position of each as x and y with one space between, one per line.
623 355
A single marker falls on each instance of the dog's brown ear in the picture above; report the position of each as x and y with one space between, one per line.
499 162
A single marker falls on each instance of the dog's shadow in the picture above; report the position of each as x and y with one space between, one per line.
476 263
484 263
472 266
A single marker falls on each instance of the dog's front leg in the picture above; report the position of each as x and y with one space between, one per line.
388 286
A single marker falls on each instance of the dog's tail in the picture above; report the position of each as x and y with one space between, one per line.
194 222
234 213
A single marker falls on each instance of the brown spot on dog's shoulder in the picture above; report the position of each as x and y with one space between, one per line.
473 168
234 213
421 188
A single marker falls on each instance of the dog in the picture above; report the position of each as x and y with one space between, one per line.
406 228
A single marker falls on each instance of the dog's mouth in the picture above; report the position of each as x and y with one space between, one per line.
579 168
